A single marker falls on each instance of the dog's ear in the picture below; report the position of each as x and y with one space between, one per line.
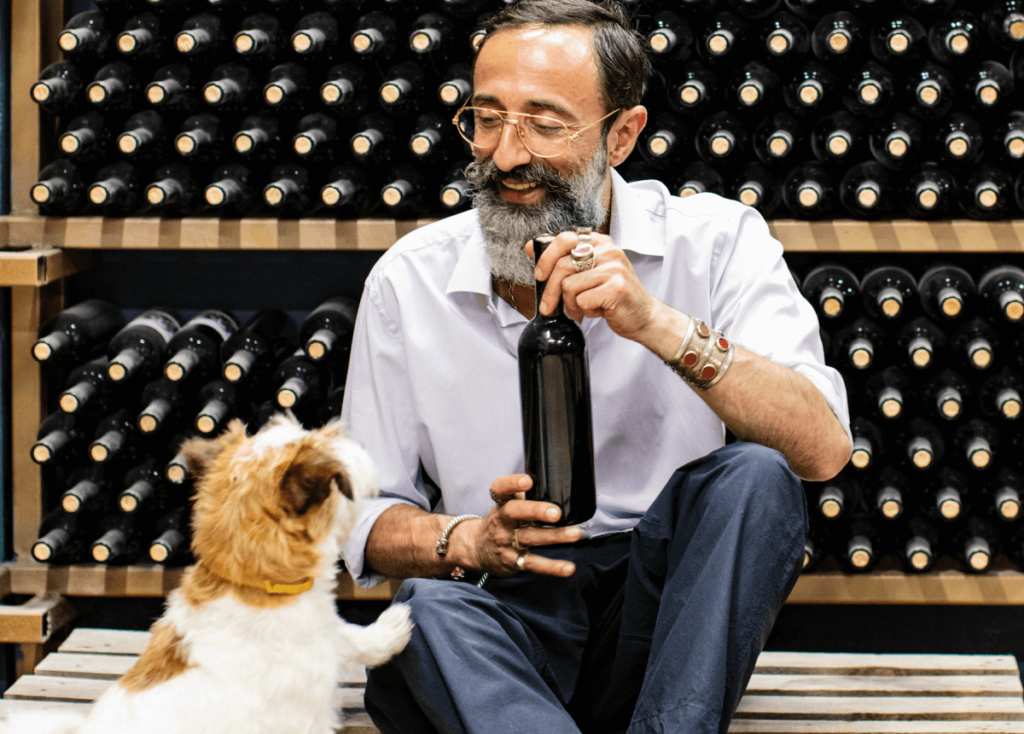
307 482
201 452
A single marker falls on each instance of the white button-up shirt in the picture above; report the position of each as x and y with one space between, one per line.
433 381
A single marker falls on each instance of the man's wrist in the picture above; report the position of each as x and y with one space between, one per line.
665 331
462 546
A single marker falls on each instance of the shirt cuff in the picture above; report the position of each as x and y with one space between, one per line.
354 551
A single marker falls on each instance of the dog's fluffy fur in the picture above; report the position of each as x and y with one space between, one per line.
227 656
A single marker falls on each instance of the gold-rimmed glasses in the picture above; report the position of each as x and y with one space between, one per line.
544 137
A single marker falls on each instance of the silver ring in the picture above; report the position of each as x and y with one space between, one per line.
583 256
499 501
521 560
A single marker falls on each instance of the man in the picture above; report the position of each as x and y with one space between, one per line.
650 616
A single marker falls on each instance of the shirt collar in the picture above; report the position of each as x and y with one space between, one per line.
630 229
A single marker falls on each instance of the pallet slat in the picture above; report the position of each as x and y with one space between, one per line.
848 708
53 688
86 665
761 726
842 663
108 642
884 685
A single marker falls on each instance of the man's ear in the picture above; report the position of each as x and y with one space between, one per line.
622 137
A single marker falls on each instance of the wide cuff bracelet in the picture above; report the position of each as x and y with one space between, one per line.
704 356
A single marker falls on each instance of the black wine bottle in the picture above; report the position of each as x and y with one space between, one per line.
976 443
758 187
899 41
815 545
990 87
867 443
173 88
929 90
253 351
260 139
90 489
867 191
374 36
780 140
698 178
670 38
202 37
930 193
921 344
61 439
1002 293
144 37
143 487
897 142
195 348
945 497
301 381
664 142
288 88
870 91
405 193
165 403
947 292
754 9
857 345
77 333
918 546
230 87
434 36
959 141
259 38
887 394
174 192
861 546
833 291
839 137
60 189
456 191
88 388
1004 23
694 90
176 470
85 35
838 37
170 544
141 346
116 438
454 91
721 139
87 138
291 190
434 140
345 91
404 89
348 193
986 192
975 344
114 87
202 138
220 401
889 293
554 385
117 190
723 34
809 192
232 190
832 499
122 537
326 334
63 537
786 39
886 493
977 545
316 37
317 138
955 38
946 395
810 89
1000 395
1004 495
146 137
1006 139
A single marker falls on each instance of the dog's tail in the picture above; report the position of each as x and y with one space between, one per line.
41 722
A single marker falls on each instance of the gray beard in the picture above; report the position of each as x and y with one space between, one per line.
576 201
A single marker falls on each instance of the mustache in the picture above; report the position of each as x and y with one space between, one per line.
486 174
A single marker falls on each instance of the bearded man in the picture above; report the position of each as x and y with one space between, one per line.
650 616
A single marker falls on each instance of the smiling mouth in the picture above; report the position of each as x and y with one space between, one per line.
519 185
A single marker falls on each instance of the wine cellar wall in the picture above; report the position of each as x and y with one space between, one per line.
752 100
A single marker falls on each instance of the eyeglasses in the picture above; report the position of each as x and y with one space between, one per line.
544 137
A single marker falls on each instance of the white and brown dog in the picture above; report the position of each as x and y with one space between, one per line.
251 641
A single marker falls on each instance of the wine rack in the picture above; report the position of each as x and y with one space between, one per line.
59 248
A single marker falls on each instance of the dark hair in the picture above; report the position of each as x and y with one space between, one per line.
622 63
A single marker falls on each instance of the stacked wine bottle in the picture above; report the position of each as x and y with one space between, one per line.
932 366
114 478
815 108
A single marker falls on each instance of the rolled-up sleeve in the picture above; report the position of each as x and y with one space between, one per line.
378 410
756 303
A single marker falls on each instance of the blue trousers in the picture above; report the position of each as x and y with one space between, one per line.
657 631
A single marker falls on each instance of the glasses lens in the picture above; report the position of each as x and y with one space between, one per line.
543 137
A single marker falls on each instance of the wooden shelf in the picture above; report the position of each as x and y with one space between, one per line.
143 580
40 267
149 233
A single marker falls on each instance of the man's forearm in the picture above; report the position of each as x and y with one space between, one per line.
766 403
402 544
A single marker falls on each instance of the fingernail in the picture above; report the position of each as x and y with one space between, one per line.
575 533
524 482
552 514
568 569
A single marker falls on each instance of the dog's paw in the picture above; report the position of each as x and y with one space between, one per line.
391 633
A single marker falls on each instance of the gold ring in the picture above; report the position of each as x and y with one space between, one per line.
521 560
515 540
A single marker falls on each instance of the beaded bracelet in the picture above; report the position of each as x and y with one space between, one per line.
704 356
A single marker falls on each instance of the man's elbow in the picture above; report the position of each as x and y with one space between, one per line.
832 455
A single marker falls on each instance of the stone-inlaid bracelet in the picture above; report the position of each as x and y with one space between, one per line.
704 356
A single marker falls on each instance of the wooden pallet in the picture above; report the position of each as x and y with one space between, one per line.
789 693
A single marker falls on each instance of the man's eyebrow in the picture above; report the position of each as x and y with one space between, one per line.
539 104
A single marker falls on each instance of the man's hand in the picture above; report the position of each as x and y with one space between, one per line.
488 544
610 290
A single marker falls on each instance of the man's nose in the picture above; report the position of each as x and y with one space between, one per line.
510 151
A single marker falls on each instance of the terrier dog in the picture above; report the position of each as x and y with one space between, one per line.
251 641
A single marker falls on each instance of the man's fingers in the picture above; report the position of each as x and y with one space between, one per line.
531 537
526 511
548 566
509 486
